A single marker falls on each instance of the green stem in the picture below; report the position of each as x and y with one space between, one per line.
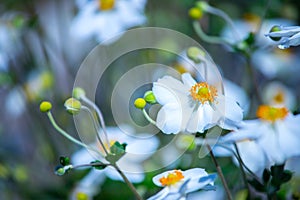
65 134
242 170
220 173
100 116
207 38
254 80
148 117
130 185
96 127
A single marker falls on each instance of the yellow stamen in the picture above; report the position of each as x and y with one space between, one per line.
270 113
172 178
106 4
203 92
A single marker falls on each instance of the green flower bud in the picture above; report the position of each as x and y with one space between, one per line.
275 29
45 106
202 5
149 97
73 106
78 93
195 13
194 54
62 170
140 103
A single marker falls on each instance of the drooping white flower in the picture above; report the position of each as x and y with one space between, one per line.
269 140
104 19
286 36
193 107
177 184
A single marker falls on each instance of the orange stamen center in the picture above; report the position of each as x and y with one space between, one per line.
203 92
270 113
106 4
172 178
279 97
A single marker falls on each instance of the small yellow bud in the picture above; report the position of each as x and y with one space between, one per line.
195 13
194 54
78 93
73 106
140 103
149 97
45 106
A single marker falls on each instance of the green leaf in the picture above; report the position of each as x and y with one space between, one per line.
257 185
117 151
266 175
64 160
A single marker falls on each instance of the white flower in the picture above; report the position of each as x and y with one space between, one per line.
287 35
269 140
178 183
106 18
278 95
193 107
138 149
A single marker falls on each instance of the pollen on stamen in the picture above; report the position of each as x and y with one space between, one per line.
270 113
106 4
203 92
172 178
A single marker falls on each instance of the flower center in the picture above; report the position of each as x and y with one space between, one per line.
270 113
203 92
172 178
279 97
106 4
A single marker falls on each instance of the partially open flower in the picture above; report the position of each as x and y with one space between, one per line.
287 36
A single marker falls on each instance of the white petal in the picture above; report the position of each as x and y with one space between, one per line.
188 80
229 108
170 118
201 119
160 195
81 156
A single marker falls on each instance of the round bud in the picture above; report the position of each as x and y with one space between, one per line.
78 92
149 97
202 5
194 53
73 106
140 103
45 106
275 29
195 13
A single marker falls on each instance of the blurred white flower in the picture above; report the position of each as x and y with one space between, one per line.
286 36
278 95
139 148
269 140
177 184
105 19
193 107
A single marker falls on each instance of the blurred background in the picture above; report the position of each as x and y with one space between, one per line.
43 43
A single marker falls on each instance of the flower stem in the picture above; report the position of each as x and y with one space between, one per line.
130 185
100 116
64 133
148 117
207 38
242 170
96 127
220 173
